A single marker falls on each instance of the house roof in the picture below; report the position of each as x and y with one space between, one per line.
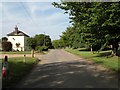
17 32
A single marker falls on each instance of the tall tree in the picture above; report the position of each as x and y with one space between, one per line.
48 42
42 40
97 22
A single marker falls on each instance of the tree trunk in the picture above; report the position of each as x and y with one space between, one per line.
91 49
115 49
32 53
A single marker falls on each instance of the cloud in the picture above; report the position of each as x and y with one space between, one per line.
34 18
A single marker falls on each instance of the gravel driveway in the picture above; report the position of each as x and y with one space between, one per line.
60 69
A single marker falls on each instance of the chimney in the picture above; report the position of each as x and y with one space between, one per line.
16 29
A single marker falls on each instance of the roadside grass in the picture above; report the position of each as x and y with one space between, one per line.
102 58
17 52
17 70
22 52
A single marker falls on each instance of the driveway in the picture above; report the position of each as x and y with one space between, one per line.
60 69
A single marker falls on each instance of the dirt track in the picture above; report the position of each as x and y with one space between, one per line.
60 69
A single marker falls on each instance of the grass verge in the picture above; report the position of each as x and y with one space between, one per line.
17 70
24 52
102 58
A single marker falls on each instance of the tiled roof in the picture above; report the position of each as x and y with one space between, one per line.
16 32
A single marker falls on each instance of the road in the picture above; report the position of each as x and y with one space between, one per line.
60 69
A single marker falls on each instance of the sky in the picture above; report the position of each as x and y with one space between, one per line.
33 18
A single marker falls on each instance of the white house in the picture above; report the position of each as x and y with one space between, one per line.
18 39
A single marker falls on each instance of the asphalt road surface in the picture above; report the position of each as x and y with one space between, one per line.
60 69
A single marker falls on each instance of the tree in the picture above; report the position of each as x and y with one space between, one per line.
48 42
55 44
42 40
70 32
6 46
4 39
98 23
58 43
32 43
39 40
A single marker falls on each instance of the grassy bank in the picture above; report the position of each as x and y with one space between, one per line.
17 70
102 58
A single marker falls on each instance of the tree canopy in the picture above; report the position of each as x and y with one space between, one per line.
4 39
39 40
93 23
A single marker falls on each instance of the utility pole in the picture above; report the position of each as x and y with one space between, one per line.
44 38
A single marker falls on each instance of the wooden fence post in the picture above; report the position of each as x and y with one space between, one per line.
24 60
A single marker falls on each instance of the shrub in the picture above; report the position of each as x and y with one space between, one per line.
6 46
42 48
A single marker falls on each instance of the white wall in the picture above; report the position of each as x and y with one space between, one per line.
17 39
25 43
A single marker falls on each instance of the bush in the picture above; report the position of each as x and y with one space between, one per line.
42 48
6 46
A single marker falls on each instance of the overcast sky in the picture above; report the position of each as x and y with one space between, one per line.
33 18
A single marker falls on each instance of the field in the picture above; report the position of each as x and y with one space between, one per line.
102 58
17 70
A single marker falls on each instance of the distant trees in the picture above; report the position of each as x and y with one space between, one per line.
55 44
58 44
43 40
96 24
39 41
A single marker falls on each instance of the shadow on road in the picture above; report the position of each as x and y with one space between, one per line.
69 75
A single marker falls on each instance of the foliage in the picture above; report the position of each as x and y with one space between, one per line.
6 46
55 43
58 43
48 41
39 40
42 48
43 40
31 42
4 39
93 23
